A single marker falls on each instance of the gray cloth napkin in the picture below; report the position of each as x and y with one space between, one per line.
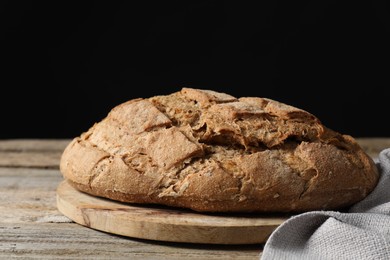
362 233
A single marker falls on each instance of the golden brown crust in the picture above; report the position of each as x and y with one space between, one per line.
212 152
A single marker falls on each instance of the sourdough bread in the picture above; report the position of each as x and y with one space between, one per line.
212 152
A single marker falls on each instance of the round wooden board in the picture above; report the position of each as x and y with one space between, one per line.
163 223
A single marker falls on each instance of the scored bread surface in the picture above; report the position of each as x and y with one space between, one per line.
212 152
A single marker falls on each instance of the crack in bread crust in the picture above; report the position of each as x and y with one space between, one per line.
213 152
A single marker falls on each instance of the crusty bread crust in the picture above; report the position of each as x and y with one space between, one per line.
212 152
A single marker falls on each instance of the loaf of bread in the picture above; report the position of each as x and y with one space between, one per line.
212 152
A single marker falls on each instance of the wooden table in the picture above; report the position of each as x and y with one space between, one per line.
32 227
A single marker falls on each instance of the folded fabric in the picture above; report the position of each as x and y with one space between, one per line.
363 232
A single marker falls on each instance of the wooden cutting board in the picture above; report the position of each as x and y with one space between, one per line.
164 223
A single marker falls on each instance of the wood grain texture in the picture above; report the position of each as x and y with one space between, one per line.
72 241
164 223
31 153
31 145
373 146
28 195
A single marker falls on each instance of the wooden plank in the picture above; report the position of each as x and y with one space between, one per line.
31 153
49 160
71 241
33 145
373 146
29 195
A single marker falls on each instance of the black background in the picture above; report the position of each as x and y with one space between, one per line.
66 64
